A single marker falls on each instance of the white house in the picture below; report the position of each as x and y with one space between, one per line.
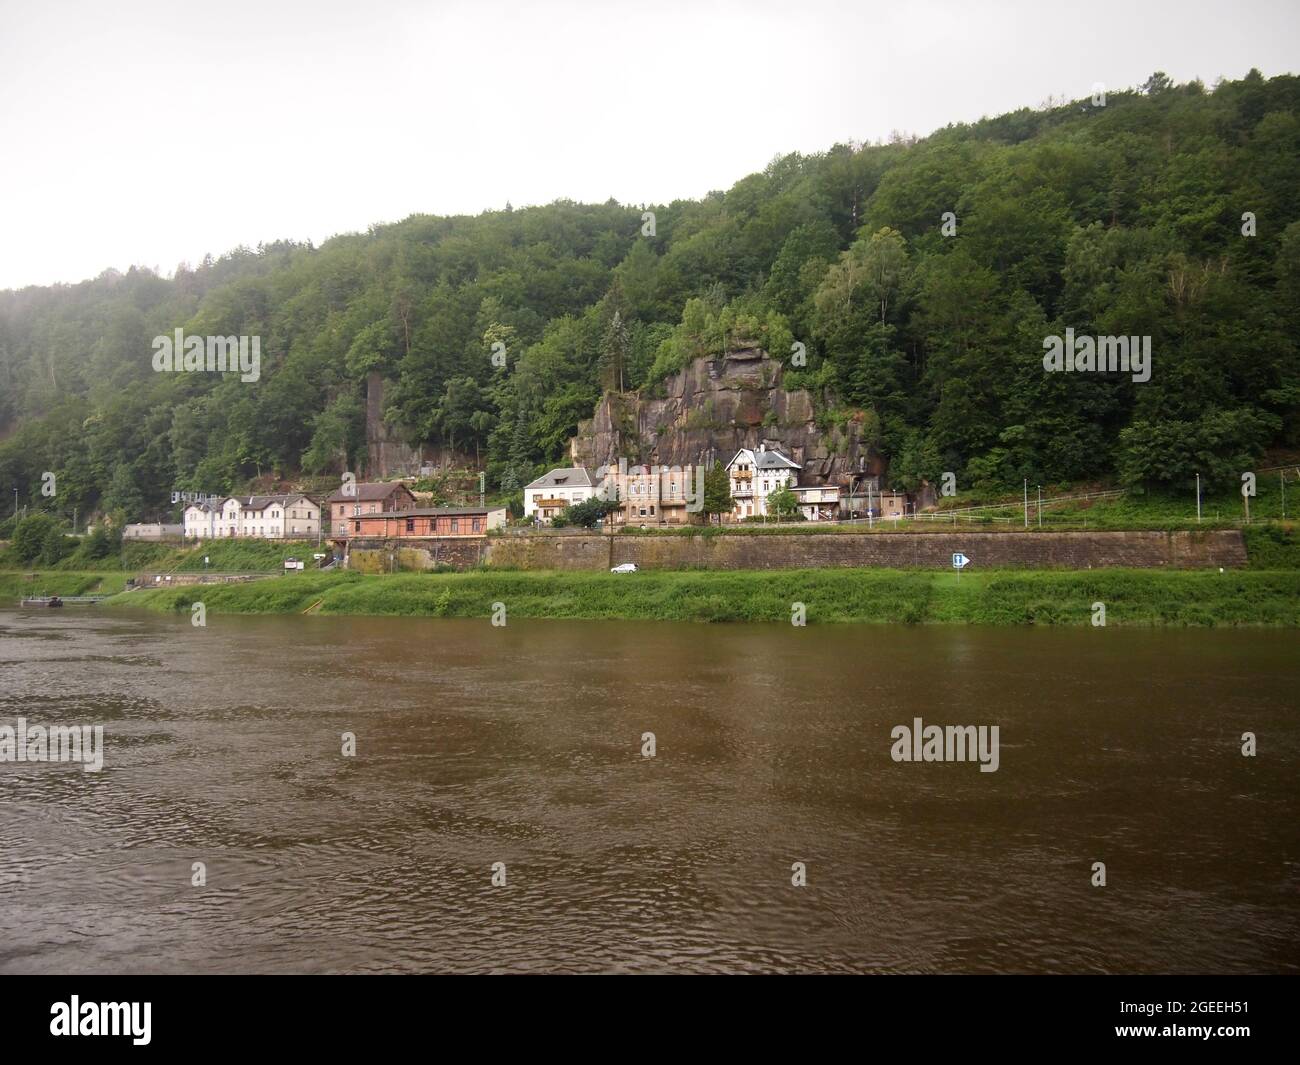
291 516
818 502
551 493
755 475
200 520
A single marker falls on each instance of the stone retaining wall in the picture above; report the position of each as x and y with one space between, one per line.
1032 550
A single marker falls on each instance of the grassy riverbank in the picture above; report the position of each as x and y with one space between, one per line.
1131 597
15 585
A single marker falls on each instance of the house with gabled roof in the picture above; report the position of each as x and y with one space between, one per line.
283 516
367 497
756 474
552 492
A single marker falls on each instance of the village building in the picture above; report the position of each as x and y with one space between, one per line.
199 520
652 495
545 497
755 475
818 502
862 497
893 504
368 497
285 516
152 532
422 522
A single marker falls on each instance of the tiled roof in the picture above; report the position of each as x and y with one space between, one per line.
262 502
565 477
773 460
427 512
367 492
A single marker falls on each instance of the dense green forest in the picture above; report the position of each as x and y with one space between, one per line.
1123 219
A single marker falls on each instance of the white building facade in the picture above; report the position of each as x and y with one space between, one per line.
277 517
755 475
548 495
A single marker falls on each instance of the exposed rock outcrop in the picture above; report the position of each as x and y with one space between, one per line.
386 454
713 408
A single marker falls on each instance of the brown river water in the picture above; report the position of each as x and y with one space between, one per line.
522 745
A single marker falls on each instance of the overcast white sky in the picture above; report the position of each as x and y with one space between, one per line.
154 131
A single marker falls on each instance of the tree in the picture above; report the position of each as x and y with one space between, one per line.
101 543
717 492
585 515
783 504
30 535
616 347
1158 82
54 546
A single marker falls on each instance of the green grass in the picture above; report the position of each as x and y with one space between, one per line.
1131 597
225 556
1272 547
15 585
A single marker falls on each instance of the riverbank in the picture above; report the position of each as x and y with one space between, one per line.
1131 597
14 585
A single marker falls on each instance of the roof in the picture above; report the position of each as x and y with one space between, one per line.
262 502
774 460
367 491
428 512
771 459
564 477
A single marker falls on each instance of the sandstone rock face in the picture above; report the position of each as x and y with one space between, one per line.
386 454
712 409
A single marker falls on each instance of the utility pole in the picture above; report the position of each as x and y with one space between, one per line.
1026 502
74 521
1040 506
1198 499
1282 474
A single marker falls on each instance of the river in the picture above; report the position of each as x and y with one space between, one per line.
523 745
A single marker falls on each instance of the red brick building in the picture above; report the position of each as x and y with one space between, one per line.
370 497
423 522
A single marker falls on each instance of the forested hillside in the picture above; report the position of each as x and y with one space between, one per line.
1122 219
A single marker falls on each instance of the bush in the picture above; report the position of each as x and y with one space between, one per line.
101 543
586 515
54 546
30 535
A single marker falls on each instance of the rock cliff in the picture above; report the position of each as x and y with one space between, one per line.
713 408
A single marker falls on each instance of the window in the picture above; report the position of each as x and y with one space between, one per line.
476 528
652 509
455 525
356 526
410 525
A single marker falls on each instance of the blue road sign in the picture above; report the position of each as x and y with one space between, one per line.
959 561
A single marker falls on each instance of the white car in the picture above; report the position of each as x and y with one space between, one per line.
627 567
